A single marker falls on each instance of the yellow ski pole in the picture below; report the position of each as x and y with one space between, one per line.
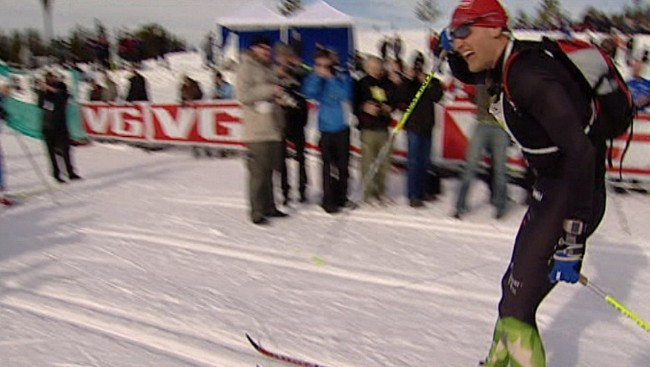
614 302
386 149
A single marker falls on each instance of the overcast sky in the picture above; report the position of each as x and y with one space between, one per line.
191 19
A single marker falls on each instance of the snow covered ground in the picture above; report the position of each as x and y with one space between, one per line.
151 261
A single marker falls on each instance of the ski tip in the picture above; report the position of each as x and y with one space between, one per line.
250 340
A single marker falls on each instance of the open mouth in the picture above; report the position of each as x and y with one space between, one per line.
467 55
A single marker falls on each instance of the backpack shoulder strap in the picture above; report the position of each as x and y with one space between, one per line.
512 55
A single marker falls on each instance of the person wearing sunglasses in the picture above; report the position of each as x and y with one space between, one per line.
545 113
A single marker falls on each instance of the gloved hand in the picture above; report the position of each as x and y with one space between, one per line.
567 260
446 40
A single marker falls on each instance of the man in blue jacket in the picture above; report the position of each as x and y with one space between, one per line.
333 92
639 86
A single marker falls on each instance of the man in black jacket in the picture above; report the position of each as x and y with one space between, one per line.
296 112
373 108
545 115
53 100
420 133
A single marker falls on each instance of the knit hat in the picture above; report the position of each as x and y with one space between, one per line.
481 13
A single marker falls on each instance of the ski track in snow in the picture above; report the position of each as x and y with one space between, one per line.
277 259
366 286
147 332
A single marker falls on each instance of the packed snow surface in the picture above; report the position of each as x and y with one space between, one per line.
151 261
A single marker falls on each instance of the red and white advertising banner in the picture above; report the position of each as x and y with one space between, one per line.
214 124
122 122
217 124
458 122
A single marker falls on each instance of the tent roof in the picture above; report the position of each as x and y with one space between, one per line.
320 14
260 16
248 17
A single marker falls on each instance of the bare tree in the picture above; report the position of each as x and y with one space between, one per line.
47 20
288 7
427 11
523 20
548 12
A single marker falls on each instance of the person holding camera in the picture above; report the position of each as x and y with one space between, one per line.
296 111
373 110
53 100
333 92
259 92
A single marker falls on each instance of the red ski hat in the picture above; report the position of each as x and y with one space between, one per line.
482 13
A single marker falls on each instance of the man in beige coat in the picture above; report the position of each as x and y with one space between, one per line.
258 91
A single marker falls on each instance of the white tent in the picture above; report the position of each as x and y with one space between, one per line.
256 16
259 16
317 22
320 14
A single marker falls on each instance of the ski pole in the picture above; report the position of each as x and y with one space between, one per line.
385 150
614 302
38 171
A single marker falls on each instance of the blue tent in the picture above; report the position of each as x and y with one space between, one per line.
317 23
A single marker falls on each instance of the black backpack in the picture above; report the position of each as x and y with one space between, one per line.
614 109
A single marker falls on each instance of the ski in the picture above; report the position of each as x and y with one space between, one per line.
279 357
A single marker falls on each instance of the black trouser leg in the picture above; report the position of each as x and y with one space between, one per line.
525 284
327 180
50 143
275 159
299 141
335 153
64 149
341 148
284 173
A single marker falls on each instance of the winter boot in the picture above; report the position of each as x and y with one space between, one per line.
517 344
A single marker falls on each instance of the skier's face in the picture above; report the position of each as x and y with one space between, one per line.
479 46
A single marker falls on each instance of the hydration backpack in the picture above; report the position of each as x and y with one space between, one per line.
613 107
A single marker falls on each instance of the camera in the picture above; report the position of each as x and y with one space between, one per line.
287 100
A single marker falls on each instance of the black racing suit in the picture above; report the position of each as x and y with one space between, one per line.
547 108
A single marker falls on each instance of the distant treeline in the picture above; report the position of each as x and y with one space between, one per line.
550 16
87 45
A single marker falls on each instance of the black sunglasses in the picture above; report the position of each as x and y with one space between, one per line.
464 30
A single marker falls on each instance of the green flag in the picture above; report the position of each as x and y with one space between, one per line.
26 117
